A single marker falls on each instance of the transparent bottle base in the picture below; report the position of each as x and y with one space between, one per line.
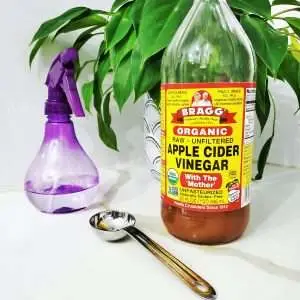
63 203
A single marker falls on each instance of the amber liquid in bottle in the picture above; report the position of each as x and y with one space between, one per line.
209 47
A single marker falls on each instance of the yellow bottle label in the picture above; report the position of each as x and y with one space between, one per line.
207 145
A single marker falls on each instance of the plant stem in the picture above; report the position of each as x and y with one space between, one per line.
263 160
98 33
84 65
277 18
109 90
275 113
283 12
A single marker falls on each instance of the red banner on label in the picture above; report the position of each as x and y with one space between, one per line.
202 208
225 116
203 131
201 181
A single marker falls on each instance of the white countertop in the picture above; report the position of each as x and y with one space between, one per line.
46 257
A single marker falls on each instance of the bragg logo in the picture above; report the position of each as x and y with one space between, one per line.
202 106
202 99
234 191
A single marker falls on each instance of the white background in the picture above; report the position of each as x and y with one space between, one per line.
23 94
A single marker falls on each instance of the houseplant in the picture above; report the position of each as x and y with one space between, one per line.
135 35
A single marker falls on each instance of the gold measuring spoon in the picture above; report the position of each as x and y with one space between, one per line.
114 225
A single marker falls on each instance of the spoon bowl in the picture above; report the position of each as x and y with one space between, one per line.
110 225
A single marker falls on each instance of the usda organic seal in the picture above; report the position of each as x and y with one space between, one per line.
173 176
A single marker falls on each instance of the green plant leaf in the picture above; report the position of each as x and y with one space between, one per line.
160 21
54 24
106 109
136 13
35 49
263 158
103 65
118 27
290 71
87 94
258 7
137 63
144 75
294 23
84 37
106 133
265 152
270 45
122 85
118 52
263 103
148 77
103 68
119 3
88 21
285 2
263 108
101 50
97 101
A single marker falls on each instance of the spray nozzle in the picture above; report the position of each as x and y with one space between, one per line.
63 93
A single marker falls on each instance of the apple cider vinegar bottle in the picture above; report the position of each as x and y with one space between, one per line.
208 117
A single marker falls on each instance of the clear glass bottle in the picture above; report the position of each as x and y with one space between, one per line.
209 47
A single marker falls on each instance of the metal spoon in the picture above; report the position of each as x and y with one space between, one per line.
115 226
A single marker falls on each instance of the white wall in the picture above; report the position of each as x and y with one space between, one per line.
286 148
23 94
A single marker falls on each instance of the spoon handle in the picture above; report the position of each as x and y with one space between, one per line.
193 280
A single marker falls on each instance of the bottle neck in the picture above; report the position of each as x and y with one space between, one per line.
59 118
209 1
198 3
60 129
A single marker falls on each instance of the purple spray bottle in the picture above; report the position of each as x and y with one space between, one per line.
62 177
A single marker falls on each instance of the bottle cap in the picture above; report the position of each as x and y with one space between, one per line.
63 96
